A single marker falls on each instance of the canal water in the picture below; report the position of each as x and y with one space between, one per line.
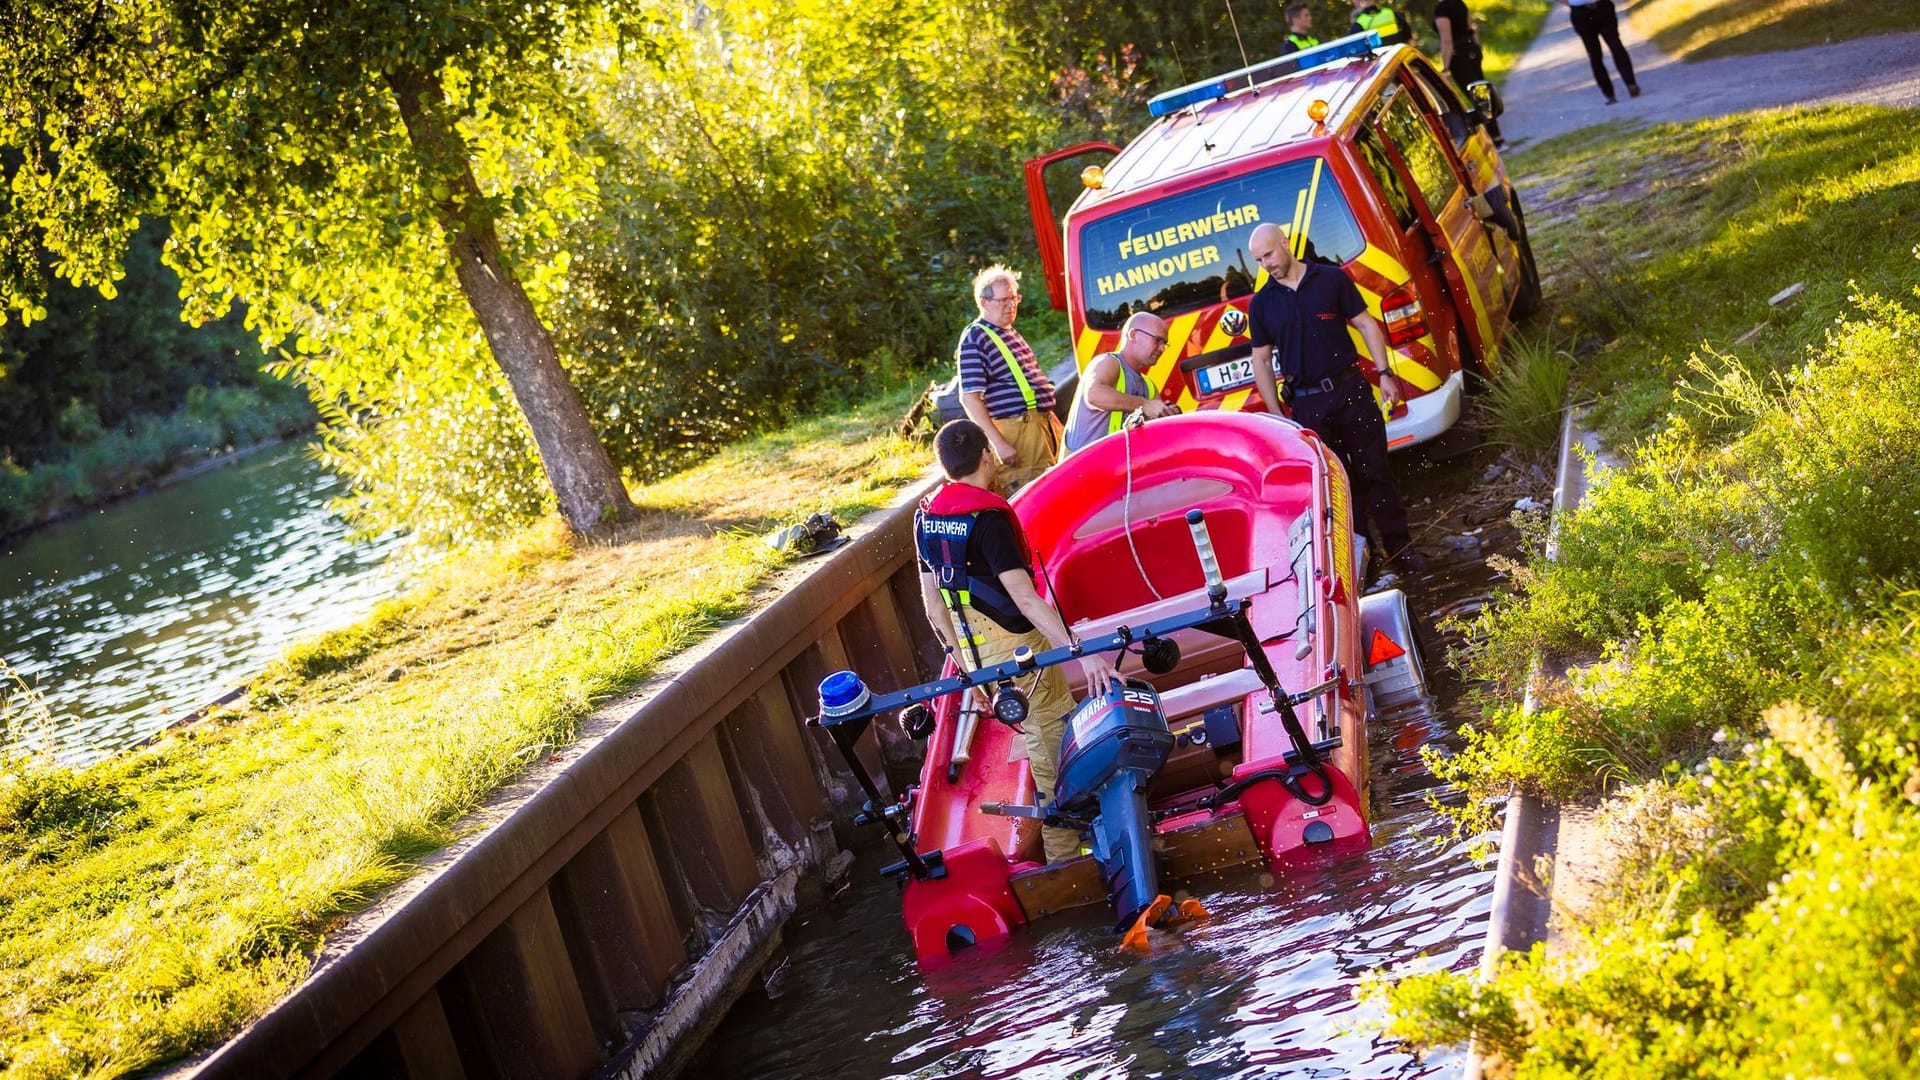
1267 988
131 616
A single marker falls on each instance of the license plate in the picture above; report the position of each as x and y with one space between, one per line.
1220 378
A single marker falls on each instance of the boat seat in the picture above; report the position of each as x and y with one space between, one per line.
1203 694
1201 654
1251 583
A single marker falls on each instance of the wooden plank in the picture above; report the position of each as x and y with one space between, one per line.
419 1046
515 1008
801 678
745 798
905 586
706 848
619 927
771 753
1050 890
877 649
1212 845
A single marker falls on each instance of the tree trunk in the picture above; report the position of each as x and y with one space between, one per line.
588 487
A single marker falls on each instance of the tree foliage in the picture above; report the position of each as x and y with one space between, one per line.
95 364
351 172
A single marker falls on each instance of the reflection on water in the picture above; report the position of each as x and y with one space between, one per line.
1265 989
131 616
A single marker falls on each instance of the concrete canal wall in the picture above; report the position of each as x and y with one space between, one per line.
1548 854
607 909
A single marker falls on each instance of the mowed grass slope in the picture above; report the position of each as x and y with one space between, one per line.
1667 243
153 904
1707 29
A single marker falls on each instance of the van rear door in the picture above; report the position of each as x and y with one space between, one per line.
1045 178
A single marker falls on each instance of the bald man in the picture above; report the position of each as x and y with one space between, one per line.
1115 383
1299 320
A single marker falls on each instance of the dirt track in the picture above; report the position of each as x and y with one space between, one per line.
1551 90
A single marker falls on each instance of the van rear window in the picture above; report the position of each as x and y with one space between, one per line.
1189 251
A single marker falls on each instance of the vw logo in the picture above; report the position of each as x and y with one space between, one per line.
1233 322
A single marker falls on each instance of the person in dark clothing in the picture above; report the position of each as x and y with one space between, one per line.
1299 29
1368 15
1299 322
976 584
1460 50
1596 21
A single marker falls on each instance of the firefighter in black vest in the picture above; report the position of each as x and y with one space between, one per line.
1368 15
976 583
1299 29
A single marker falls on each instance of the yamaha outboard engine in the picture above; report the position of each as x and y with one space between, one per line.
1115 745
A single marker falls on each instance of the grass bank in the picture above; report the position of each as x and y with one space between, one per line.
1506 28
1739 606
154 903
1705 29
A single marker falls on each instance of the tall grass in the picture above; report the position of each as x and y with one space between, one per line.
116 462
1527 393
1706 29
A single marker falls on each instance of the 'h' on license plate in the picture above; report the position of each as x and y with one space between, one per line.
1227 376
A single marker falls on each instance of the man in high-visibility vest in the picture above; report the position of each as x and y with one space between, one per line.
1002 387
1299 29
976 586
1368 15
1114 384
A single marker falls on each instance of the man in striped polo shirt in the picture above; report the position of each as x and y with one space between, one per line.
1002 387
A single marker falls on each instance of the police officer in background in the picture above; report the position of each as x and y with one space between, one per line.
976 585
1002 387
1115 384
1299 29
1368 15
1299 323
1460 54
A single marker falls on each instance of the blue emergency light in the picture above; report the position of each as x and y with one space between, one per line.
1360 44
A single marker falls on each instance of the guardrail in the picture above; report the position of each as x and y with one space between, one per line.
615 901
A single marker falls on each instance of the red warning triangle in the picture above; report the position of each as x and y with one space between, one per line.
1383 648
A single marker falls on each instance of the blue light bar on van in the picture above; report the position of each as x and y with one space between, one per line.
1361 44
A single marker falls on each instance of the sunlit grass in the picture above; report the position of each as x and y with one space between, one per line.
1658 244
1737 599
1506 28
154 903
1704 29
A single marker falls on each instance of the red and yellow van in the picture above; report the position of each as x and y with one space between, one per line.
1371 158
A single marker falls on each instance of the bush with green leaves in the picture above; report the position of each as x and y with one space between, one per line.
1749 608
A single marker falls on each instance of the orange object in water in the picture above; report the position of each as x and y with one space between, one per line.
1136 938
1194 909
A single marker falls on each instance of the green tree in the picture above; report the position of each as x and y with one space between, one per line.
344 170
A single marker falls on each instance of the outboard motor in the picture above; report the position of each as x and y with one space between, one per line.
1115 745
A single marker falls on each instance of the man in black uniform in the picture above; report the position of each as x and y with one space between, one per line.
1460 54
1300 319
976 584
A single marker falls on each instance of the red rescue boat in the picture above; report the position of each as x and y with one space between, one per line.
1216 553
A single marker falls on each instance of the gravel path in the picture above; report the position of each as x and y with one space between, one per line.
1551 90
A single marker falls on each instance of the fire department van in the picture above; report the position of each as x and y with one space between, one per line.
1370 158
